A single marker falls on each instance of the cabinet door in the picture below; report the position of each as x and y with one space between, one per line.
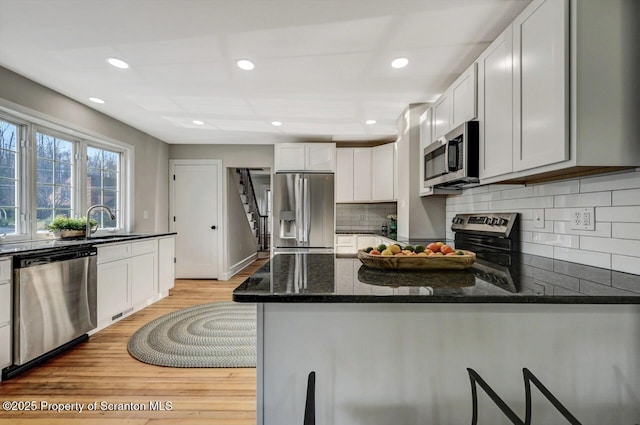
143 278
366 241
114 294
344 175
5 346
464 97
442 116
362 174
289 157
540 84
320 157
495 107
166 265
5 303
382 172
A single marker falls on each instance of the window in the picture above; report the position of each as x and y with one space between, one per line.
103 184
9 177
54 179
48 170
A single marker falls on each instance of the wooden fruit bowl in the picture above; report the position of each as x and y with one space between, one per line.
414 262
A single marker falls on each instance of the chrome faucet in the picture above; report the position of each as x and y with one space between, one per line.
91 208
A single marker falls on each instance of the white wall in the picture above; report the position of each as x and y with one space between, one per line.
614 244
151 168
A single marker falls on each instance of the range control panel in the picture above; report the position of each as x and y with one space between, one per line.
498 224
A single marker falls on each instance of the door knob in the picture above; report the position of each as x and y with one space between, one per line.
213 227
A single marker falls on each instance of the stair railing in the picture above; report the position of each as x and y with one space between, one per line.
261 222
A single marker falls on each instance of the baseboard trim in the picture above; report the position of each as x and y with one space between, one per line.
237 267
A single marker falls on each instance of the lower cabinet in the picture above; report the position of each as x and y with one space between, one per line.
128 276
5 314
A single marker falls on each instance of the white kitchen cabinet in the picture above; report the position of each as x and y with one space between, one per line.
144 271
495 107
442 115
305 157
366 174
166 269
6 312
464 97
382 172
114 290
426 137
344 175
346 244
365 241
128 277
362 174
540 84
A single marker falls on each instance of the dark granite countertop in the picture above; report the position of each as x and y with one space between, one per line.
503 278
50 245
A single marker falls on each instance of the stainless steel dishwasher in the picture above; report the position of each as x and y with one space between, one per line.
55 302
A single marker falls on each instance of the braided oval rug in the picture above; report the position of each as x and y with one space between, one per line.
221 334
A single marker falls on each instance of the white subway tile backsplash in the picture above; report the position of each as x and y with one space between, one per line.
602 230
567 241
565 187
629 214
614 246
625 230
625 197
596 259
625 263
615 242
624 180
596 199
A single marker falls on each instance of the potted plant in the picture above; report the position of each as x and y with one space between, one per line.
65 227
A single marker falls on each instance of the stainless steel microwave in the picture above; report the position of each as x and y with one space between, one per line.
453 159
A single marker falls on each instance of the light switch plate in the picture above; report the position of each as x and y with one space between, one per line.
538 217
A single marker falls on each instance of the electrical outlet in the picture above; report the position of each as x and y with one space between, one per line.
583 219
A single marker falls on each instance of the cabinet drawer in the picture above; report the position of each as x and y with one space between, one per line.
5 303
113 252
144 247
5 346
345 240
5 270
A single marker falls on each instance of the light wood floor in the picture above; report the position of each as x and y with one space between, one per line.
101 370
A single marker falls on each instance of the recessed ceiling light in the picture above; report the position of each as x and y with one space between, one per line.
276 123
370 122
118 63
399 62
197 122
245 64
96 100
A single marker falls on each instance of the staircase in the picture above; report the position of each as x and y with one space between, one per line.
257 221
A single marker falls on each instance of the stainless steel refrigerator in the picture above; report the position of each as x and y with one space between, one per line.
303 210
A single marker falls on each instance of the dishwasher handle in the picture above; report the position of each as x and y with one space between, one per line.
37 259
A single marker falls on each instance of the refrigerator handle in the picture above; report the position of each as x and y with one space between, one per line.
307 210
299 211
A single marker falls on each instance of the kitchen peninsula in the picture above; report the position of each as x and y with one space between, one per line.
394 347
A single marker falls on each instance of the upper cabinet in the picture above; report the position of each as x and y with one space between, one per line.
457 104
442 115
541 75
464 97
554 93
366 174
320 157
495 107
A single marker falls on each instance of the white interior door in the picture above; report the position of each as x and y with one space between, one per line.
196 217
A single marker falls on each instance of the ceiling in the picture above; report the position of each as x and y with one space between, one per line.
322 66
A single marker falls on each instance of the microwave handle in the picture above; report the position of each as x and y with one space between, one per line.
446 154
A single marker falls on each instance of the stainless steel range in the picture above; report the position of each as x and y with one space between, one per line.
495 238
